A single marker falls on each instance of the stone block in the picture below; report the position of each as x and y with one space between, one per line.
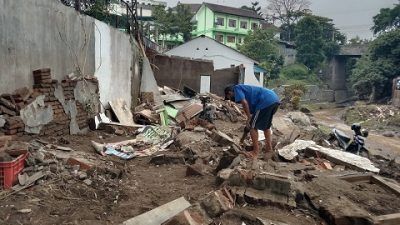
216 203
221 138
278 185
83 163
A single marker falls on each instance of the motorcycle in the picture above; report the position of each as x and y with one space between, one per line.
355 145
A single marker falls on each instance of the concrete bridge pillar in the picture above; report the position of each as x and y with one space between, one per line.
339 79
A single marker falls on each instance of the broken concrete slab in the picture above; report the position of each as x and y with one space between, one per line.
36 115
149 83
122 112
160 214
221 138
348 159
390 219
2 121
345 158
73 112
290 152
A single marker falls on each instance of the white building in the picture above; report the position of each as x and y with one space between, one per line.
223 57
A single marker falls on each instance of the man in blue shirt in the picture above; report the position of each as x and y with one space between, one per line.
260 105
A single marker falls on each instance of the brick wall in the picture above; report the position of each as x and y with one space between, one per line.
11 104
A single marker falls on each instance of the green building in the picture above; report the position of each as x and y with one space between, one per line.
225 24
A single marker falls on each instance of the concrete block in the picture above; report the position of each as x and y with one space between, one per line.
221 138
216 203
83 163
277 185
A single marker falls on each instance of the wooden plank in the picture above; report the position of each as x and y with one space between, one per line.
392 187
160 214
390 219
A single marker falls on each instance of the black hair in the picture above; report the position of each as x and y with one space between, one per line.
228 89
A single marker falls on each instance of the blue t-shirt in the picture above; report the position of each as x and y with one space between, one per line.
257 97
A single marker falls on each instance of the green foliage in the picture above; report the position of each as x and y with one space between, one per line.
373 73
175 21
309 42
182 21
295 72
317 39
255 6
261 46
387 19
292 96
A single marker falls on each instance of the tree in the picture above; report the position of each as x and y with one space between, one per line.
183 21
261 46
386 20
375 71
317 39
309 42
175 21
287 12
98 9
255 6
331 36
357 41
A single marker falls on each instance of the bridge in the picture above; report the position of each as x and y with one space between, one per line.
337 72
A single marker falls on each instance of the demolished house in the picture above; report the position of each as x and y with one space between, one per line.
83 150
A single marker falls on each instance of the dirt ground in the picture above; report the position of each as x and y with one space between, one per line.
376 142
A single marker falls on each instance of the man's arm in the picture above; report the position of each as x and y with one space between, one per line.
246 108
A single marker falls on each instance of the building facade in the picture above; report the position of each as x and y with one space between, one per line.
226 25
223 57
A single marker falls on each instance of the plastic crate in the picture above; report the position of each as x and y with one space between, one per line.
9 171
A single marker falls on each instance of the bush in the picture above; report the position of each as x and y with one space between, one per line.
292 96
295 71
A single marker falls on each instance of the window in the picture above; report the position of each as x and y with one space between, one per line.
257 74
219 38
220 21
232 23
243 24
231 39
240 40
254 26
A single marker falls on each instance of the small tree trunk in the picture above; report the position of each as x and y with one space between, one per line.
78 5
373 96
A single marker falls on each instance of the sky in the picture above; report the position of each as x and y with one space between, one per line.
352 17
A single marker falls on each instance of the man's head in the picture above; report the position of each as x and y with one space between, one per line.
229 93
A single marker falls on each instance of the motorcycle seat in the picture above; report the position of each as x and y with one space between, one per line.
342 136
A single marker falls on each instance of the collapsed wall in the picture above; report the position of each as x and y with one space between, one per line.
50 107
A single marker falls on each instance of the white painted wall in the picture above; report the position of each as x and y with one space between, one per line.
222 56
113 59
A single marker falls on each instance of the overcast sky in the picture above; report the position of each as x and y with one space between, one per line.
353 17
